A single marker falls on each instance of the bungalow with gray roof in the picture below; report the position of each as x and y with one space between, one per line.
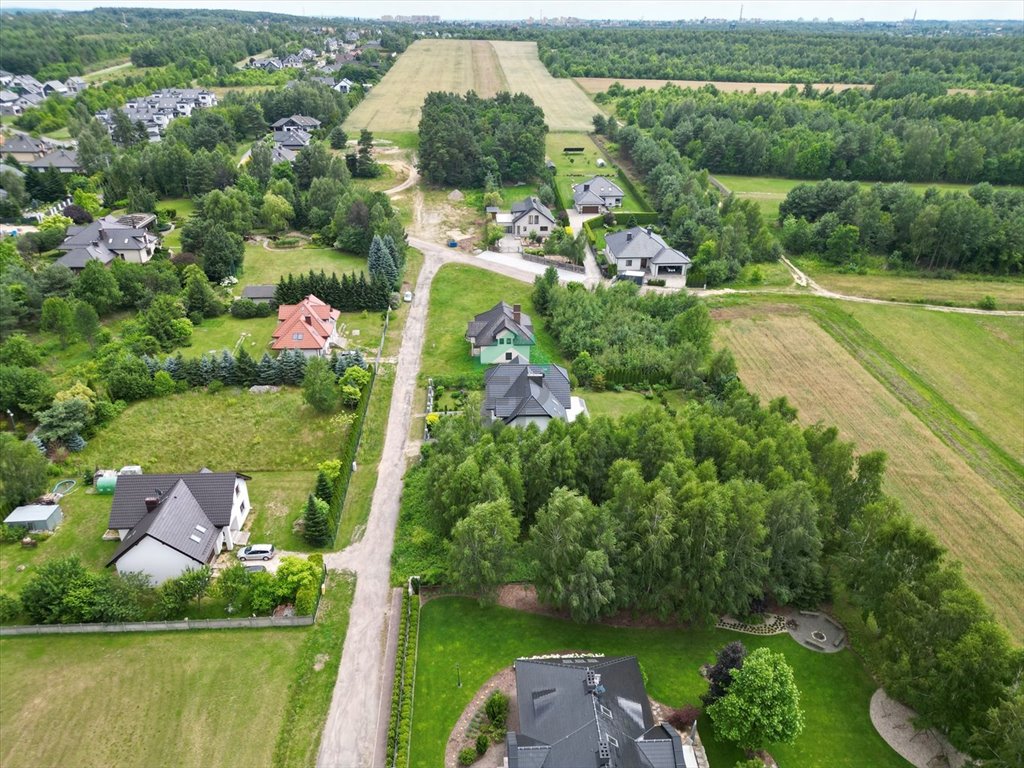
640 250
107 239
23 148
520 394
596 195
64 160
296 123
502 334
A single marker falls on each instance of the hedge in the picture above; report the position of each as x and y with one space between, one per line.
402 691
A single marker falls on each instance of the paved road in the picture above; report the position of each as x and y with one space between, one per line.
351 734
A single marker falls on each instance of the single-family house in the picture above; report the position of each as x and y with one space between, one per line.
36 517
296 123
172 523
638 249
64 160
76 85
502 334
577 711
520 394
23 148
528 217
106 239
293 140
261 294
51 87
309 327
596 195
282 154
344 85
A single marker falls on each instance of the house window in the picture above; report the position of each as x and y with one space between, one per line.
508 355
543 229
296 337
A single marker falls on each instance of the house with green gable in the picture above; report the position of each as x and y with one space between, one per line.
502 334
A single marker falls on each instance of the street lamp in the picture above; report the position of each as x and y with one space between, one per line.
458 673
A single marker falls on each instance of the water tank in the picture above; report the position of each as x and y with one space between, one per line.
105 481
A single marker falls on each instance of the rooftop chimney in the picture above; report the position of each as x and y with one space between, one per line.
629 236
152 502
517 312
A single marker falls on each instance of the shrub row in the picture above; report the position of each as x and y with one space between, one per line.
404 684
460 381
348 453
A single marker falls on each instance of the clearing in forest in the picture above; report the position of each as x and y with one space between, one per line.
468 65
792 355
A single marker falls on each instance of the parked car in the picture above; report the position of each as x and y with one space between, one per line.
255 569
407 296
256 552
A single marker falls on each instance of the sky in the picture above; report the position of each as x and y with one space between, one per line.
840 10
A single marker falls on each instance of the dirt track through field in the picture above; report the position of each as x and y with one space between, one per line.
463 65
793 356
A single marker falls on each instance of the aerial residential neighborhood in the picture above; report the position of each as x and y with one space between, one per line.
515 387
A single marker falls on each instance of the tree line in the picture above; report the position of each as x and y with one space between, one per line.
851 134
980 231
788 53
466 141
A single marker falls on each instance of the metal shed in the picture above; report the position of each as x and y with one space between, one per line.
36 517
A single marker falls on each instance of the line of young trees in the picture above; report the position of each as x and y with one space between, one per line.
466 140
980 231
349 293
851 134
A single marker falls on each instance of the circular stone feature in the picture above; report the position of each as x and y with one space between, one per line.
819 636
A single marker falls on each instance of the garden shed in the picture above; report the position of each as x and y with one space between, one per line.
36 517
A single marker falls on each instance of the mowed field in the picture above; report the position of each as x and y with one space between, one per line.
464 65
601 84
789 354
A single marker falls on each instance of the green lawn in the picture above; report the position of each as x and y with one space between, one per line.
177 698
965 291
770 191
264 267
574 168
835 688
614 404
278 500
458 294
386 180
403 140
227 332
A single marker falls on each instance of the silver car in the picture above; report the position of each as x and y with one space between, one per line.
256 552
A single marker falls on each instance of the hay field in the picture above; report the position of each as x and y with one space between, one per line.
791 355
463 65
566 107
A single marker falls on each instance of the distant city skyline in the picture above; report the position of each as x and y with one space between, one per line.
649 10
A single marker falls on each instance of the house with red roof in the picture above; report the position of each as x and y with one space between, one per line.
309 327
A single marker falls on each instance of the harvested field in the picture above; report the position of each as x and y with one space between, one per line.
791 355
601 84
463 65
566 107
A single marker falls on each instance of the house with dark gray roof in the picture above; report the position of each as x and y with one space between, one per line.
296 122
107 239
589 712
639 249
528 217
171 523
64 160
502 334
23 148
596 195
519 395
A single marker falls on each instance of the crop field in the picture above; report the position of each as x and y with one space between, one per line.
182 699
961 291
393 105
789 354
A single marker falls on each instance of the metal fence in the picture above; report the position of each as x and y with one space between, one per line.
254 622
556 264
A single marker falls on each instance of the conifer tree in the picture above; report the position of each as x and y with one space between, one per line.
267 372
245 368
324 490
226 370
314 520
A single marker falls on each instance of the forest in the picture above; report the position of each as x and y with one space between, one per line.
981 231
721 505
464 141
783 53
851 134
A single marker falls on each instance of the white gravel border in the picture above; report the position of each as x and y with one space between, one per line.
922 749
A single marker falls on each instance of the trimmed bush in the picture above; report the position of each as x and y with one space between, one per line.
467 756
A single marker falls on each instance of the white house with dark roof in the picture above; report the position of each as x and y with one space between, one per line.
640 250
296 123
527 217
107 239
519 395
64 160
596 195
172 523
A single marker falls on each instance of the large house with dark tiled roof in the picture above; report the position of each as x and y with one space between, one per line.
502 334
519 395
107 239
172 523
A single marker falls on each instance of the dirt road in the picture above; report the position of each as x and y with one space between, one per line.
351 732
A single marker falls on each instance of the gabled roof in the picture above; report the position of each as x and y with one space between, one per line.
79 256
259 291
302 121
486 326
179 521
291 139
213 491
115 234
513 390
599 185
306 325
530 205
572 708
281 154
641 243
22 143
59 158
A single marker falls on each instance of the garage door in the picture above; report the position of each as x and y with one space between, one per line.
591 209
670 270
